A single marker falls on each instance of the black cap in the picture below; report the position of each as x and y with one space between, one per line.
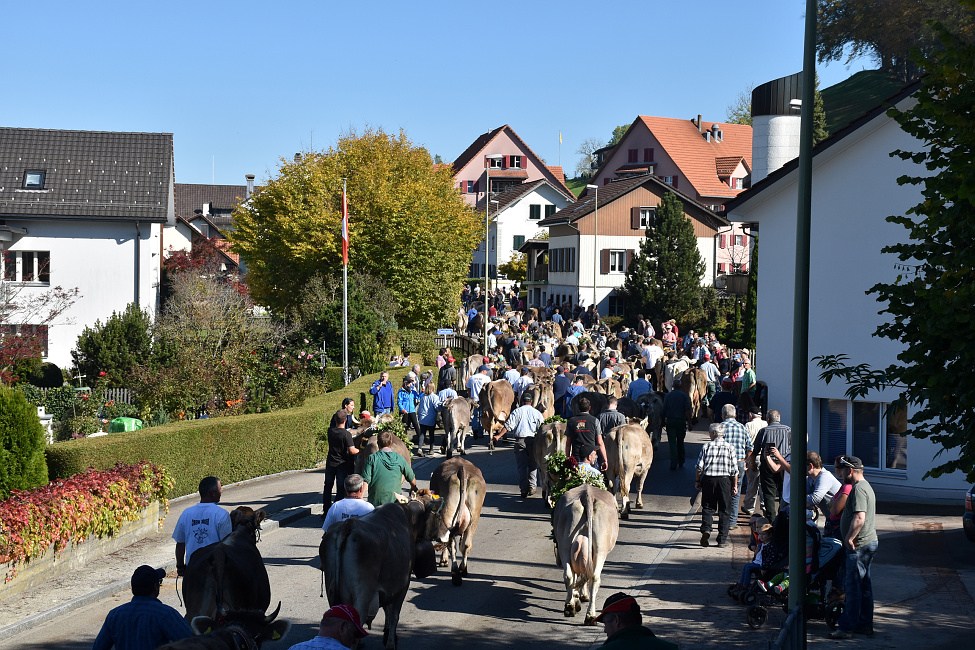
145 576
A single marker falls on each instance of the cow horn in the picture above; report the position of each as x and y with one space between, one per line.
274 615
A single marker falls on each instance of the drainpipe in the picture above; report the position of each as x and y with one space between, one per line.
138 259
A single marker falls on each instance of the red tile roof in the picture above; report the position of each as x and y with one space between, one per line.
727 165
557 172
695 156
509 173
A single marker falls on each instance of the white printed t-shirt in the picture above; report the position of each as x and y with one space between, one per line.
201 525
346 509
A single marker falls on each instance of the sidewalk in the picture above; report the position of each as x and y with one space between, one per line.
923 574
285 497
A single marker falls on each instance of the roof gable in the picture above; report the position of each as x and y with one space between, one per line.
551 173
88 174
619 189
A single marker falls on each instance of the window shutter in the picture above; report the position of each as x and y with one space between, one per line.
635 217
744 268
504 162
604 261
477 186
485 162
629 258
744 240
675 181
723 239
647 155
463 187
605 181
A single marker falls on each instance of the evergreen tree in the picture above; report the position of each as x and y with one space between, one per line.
115 348
750 319
664 279
22 462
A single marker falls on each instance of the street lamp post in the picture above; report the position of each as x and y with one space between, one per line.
595 234
487 242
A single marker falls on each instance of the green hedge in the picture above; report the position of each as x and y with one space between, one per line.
232 448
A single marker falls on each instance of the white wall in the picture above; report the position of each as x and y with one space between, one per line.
99 259
854 190
775 141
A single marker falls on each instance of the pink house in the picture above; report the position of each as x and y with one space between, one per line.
508 160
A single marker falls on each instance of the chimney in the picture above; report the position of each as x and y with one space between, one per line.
206 209
699 127
297 157
715 133
250 184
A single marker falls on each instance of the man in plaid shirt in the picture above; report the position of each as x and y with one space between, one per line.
717 473
736 435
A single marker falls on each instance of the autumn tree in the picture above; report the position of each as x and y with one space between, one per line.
516 268
408 226
930 309
664 278
588 149
26 316
887 30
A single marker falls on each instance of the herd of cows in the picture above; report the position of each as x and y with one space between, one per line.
367 562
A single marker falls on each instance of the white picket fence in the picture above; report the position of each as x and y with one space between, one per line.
111 394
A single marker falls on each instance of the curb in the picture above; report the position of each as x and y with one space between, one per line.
272 523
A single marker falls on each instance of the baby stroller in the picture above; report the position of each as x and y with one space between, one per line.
824 562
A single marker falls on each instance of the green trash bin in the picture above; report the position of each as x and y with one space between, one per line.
124 424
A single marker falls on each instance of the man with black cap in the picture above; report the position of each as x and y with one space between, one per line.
144 622
339 630
623 623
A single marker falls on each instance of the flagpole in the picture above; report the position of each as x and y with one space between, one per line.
345 286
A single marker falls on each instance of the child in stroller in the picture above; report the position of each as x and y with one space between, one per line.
823 559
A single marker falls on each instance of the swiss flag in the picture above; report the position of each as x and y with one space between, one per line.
345 229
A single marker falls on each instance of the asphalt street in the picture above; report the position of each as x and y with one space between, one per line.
513 594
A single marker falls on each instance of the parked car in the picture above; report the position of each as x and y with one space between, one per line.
968 519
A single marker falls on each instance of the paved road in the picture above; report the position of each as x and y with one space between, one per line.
924 576
514 592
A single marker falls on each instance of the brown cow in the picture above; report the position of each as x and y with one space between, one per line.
630 452
497 402
456 413
368 444
542 398
228 575
695 383
549 439
608 386
233 630
585 524
461 488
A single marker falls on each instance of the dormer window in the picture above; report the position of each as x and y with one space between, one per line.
34 179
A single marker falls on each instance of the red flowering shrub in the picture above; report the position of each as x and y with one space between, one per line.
70 510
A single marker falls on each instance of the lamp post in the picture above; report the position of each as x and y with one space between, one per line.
487 241
595 234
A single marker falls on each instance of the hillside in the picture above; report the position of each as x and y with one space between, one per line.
846 101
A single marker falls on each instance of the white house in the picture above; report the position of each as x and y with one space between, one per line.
854 189
85 210
592 241
514 219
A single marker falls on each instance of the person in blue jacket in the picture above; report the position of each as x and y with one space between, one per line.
426 413
406 401
382 395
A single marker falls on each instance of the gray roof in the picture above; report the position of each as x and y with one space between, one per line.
88 174
190 197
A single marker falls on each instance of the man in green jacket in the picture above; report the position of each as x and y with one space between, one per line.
624 627
384 472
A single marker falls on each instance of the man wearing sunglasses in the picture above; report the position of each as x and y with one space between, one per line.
859 535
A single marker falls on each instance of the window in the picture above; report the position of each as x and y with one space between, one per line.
535 212
549 210
34 179
495 163
516 162
615 306
632 155
499 186
648 155
669 180
871 431
738 183
646 217
738 240
27 266
37 332
470 187
493 246
519 241
617 261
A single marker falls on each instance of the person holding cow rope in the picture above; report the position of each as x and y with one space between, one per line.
523 423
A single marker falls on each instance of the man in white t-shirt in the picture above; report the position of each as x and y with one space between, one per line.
353 505
201 525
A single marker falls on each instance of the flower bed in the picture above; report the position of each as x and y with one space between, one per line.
69 511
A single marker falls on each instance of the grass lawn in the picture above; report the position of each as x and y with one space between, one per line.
576 185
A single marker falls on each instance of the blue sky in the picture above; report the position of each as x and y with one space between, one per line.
241 84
